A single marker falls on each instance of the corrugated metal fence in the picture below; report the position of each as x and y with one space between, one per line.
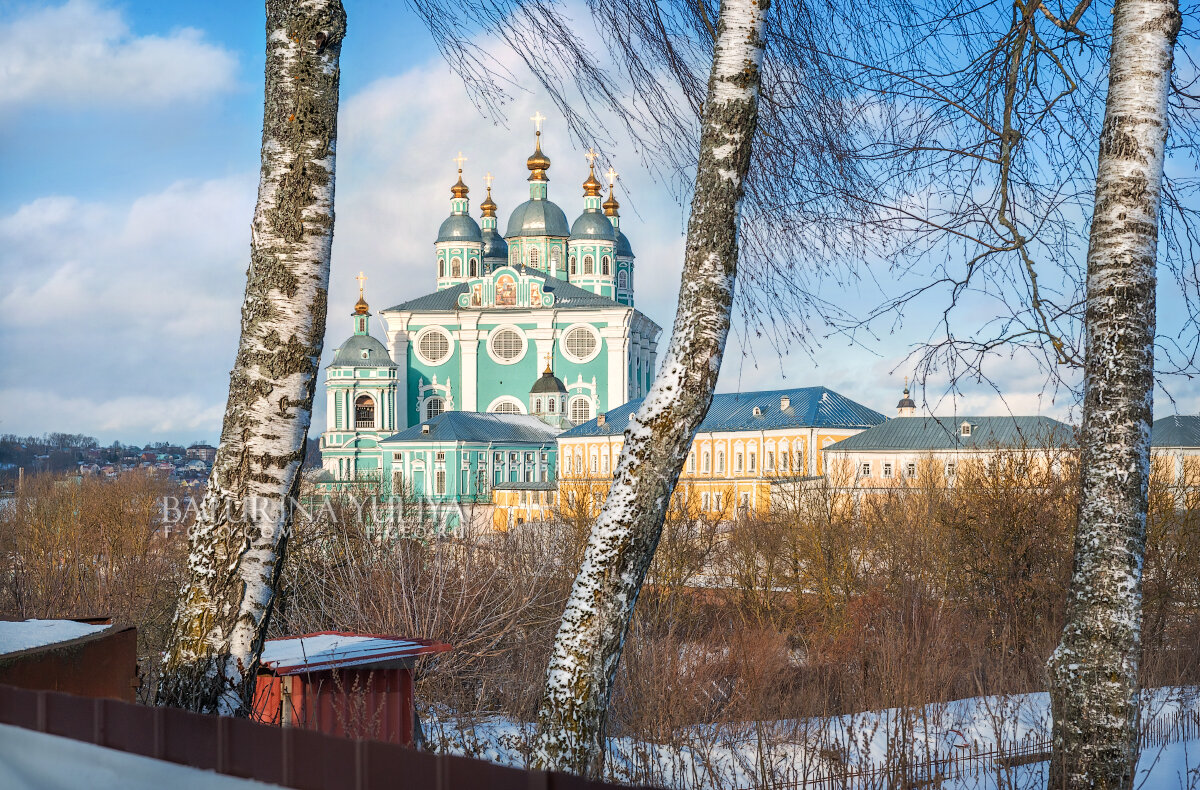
279 755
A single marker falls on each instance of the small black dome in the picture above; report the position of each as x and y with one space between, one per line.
548 383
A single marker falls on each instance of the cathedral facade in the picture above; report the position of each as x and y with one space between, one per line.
539 321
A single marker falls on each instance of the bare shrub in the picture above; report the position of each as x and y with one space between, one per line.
76 547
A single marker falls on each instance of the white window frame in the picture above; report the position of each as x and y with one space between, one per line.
864 469
494 332
433 330
562 343
491 409
571 407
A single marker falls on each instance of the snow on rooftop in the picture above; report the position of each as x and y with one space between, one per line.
24 635
290 655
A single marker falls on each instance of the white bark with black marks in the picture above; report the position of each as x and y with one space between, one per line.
238 544
587 649
1094 670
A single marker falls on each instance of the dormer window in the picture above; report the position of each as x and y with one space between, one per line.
965 429
757 411
366 354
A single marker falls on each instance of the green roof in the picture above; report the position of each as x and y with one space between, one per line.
566 296
350 354
945 433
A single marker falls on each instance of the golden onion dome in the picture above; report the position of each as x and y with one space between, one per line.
488 205
538 163
591 187
360 307
460 189
611 205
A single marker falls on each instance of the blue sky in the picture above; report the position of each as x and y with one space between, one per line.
129 144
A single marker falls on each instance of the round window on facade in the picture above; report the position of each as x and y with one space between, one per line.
580 344
506 407
433 346
507 345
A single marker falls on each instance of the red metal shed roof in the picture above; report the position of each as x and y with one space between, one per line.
294 655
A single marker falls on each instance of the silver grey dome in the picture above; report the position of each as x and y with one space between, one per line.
537 218
494 245
623 250
593 226
459 227
350 354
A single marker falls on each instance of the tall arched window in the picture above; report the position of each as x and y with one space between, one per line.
456 267
720 463
364 412
534 257
572 264
555 258
551 405
474 268
441 268
605 267
707 465
622 279
581 409
537 405
434 407
589 265
514 256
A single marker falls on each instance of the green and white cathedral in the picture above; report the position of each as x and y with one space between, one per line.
537 322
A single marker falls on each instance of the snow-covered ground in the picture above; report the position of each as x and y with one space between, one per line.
966 737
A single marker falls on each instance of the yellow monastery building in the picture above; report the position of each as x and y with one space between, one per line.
749 442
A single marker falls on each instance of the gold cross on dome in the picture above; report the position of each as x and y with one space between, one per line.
591 156
488 179
362 278
537 119
549 356
460 159
612 176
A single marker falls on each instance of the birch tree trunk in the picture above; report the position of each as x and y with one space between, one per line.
1094 670
587 649
237 545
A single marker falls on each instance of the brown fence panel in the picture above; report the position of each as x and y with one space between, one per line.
287 756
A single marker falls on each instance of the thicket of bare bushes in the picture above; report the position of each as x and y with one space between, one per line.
841 599
83 547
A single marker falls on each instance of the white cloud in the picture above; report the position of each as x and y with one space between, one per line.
125 315
81 52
